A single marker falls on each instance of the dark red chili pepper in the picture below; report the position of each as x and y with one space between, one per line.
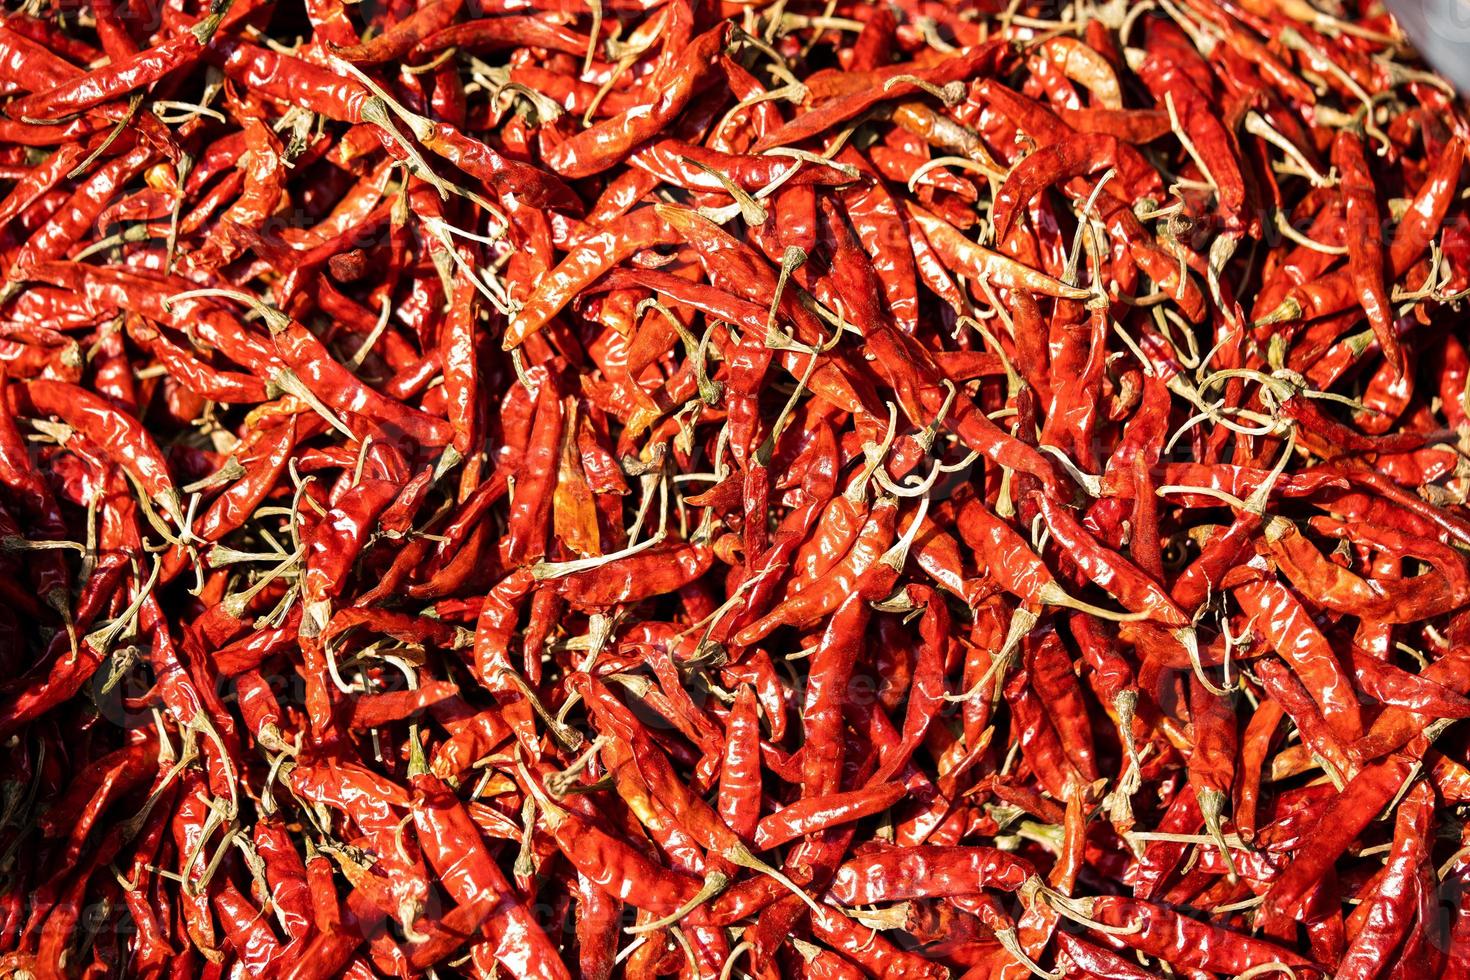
1365 242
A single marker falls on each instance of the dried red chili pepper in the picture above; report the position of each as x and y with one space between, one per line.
621 585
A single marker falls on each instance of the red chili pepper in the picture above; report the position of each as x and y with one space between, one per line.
901 873
404 35
838 583
1288 628
818 813
890 82
1339 822
509 639
453 847
115 434
1365 242
102 85
1422 220
30 65
1156 931
599 147
974 261
627 235
62 230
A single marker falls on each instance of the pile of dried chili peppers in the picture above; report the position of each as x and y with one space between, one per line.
549 488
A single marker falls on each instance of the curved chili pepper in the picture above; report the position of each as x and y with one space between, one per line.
977 262
114 433
818 813
102 85
600 146
1365 243
1156 931
891 82
31 65
404 35
840 581
634 232
453 847
1422 220
1339 822
1289 630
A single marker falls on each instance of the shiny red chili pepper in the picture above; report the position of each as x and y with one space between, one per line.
681 480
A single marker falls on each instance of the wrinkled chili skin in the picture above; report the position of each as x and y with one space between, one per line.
651 487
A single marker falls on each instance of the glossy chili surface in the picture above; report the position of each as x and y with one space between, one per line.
704 489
